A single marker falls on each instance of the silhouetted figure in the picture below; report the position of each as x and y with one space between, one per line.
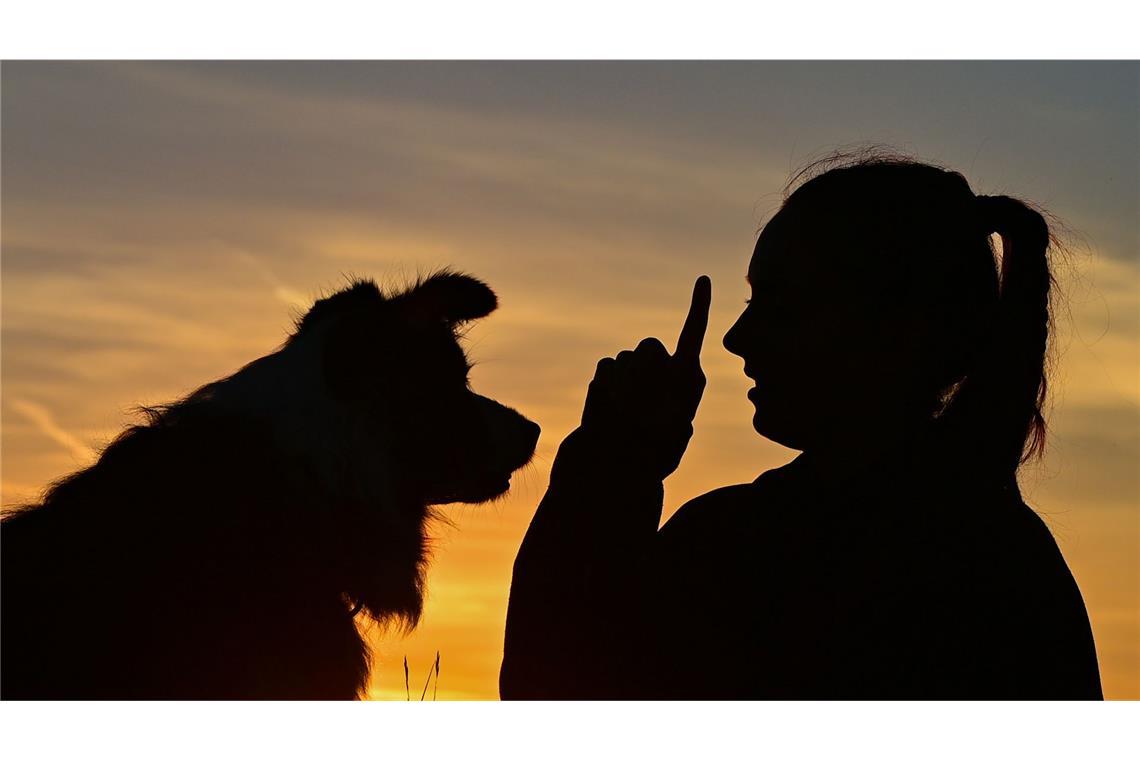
895 557
224 549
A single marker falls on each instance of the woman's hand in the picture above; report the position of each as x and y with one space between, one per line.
642 403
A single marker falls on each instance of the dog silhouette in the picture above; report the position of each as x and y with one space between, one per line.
224 549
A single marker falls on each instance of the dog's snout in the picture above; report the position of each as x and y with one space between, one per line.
524 440
514 435
531 433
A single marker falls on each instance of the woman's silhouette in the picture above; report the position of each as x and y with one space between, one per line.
895 557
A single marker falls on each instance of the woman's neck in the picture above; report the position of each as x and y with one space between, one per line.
860 445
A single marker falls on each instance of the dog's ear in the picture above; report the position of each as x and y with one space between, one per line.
451 297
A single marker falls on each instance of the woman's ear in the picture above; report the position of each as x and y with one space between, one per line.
449 296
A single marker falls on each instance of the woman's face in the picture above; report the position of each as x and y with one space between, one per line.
815 336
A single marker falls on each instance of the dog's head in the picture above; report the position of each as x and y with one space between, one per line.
392 367
372 392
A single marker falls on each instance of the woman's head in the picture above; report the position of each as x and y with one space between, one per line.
877 300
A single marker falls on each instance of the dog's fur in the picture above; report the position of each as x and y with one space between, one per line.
224 548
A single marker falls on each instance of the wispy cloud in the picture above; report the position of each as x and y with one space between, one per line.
43 420
281 291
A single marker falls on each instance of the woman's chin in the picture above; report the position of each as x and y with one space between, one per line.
773 429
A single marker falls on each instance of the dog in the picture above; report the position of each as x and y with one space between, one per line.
226 547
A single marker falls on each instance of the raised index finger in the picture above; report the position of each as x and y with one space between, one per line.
693 331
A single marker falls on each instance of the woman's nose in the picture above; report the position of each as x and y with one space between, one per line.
732 338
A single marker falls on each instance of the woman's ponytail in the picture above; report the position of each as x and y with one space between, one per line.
1000 402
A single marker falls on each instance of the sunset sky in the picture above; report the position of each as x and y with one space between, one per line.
164 223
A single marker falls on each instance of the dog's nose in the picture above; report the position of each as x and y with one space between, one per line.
531 431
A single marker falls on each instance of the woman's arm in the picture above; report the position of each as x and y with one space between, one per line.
572 607
577 619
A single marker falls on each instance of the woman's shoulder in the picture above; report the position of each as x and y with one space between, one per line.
740 513
708 521
1022 535
994 537
714 506
738 506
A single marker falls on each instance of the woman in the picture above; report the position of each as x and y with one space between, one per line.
894 558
